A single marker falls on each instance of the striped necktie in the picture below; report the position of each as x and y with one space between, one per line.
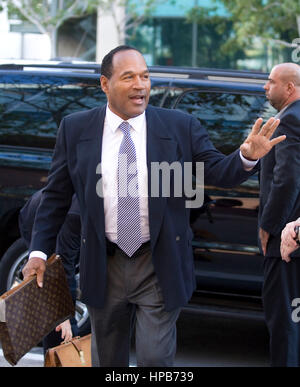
128 217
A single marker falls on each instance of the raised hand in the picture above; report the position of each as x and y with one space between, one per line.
258 143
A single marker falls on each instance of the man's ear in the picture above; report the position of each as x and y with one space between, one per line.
104 83
291 87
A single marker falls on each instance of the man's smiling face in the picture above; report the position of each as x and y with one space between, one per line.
128 89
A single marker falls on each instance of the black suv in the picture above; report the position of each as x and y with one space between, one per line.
33 100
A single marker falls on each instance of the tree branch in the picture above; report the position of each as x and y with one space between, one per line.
31 15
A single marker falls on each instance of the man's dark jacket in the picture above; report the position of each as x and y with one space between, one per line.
171 136
68 239
280 181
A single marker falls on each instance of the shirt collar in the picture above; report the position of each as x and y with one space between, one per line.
281 111
114 121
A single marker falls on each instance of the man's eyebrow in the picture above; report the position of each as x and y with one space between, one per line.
129 72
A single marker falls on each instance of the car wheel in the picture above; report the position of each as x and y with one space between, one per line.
11 266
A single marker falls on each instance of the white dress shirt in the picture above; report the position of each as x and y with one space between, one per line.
112 138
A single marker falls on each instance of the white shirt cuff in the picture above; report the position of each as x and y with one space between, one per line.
248 164
38 254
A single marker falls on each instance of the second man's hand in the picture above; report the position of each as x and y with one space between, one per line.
288 242
35 266
264 239
258 143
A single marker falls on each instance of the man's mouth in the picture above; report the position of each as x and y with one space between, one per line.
138 99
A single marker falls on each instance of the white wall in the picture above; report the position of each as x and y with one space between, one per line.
36 46
15 45
10 42
107 34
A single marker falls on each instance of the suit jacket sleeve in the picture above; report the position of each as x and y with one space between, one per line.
27 215
285 184
56 199
219 170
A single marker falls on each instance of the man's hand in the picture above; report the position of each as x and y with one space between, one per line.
288 243
258 143
264 238
35 266
66 330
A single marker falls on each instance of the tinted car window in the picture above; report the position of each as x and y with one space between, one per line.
165 96
31 108
227 117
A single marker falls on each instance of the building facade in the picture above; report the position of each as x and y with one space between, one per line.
175 32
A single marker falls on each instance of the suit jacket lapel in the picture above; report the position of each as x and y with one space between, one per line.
89 157
160 147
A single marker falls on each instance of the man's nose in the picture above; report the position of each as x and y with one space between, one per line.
139 84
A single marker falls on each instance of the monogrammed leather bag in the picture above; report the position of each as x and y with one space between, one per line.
28 313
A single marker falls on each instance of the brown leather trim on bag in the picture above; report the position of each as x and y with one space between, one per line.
78 347
74 353
53 258
49 359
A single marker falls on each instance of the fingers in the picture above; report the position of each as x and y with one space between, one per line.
269 127
58 328
35 266
66 330
256 126
264 248
277 140
288 243
288 235
264 238
68 335
285 255
285 251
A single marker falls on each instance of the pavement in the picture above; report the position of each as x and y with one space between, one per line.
203 341
35 358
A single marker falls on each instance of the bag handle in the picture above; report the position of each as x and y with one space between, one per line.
77 345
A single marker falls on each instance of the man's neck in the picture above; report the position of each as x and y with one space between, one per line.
290 101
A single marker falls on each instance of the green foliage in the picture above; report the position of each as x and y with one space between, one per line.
47 15
52 14
216 44
267 19
275 23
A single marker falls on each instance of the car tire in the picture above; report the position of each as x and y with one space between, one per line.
11 266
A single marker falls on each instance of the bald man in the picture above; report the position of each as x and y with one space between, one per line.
279 205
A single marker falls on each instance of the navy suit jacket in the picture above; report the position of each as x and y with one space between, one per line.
171 136
68 240
280 181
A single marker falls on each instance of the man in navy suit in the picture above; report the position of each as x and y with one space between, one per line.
136 248
279 205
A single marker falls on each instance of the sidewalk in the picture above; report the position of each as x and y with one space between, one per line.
35 358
